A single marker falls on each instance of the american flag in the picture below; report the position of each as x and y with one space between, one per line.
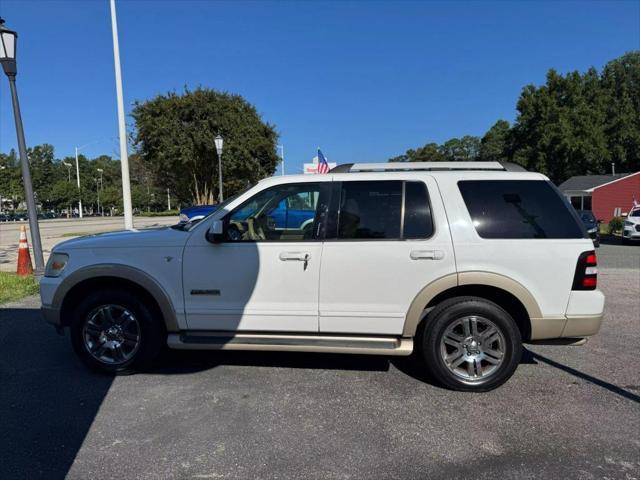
323 166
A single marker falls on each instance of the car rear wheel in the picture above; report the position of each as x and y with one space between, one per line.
471 344
114 331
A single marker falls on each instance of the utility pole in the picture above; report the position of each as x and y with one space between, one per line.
124 157
168 200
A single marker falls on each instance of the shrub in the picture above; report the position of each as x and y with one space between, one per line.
616 224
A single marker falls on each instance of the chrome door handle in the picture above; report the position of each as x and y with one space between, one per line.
426 254
299 256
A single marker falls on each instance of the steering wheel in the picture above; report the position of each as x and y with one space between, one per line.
233 234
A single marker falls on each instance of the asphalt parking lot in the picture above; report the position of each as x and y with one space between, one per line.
568 412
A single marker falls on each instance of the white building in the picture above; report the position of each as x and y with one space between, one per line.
313 166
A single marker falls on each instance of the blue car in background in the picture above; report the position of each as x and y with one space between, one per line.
196 212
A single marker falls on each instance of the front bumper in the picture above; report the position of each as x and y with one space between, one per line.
51 315
631 233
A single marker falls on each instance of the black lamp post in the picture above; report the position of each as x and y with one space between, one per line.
219 141
8 59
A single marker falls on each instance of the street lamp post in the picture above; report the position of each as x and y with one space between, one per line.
68 165
78 180
219 141
100 171
281 147
124 156
8 60
2 167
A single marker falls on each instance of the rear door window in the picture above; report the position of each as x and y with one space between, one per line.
374 210
519 209
370 210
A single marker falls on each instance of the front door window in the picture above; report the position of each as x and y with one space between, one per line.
282 213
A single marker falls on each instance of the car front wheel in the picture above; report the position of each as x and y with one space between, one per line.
113 331
471 344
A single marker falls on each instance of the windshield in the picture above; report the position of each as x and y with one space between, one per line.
635 213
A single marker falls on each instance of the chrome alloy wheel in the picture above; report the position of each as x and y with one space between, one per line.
473 348
111 334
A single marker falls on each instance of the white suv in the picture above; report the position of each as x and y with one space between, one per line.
459 261
631 229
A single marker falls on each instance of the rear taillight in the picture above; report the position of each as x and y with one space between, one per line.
586 277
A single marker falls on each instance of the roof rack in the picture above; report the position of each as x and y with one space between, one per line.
426 166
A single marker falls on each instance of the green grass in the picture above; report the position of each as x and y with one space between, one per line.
13 287
166 213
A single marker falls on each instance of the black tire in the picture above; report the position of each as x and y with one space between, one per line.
150 335
447 316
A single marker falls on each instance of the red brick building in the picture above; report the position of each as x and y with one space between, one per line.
606 195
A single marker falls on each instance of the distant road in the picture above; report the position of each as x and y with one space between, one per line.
55 231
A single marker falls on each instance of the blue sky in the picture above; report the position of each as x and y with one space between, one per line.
364 80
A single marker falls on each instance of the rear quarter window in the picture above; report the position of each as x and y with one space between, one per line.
519 209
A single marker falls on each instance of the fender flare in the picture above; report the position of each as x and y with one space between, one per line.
442 284
125 272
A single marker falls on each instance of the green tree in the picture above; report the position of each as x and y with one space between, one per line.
175 140
461 149
559 130
494 146
621 86
454 149
428 153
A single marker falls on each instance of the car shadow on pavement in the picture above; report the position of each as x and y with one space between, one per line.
48 399
608 239
184 361
532 357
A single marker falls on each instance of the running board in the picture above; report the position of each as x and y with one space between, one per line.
291 343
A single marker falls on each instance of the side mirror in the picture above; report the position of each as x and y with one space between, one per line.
600 220
215 232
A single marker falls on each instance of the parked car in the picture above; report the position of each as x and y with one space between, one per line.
462 262
6 217
631 231
195 213
591 224
20 217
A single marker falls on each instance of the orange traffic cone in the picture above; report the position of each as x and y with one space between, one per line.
24 258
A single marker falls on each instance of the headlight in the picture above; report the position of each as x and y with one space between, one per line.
628 224
56 264
183 218
592 230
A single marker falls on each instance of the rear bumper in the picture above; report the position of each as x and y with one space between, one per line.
582 319
582 325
